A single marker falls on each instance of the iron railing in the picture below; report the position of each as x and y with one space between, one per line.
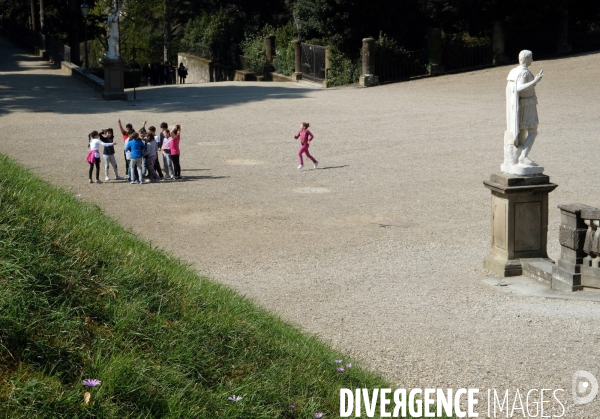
313 62
402 66
459 56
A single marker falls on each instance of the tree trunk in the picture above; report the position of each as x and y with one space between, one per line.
42 17
498 43
74 38
167 30
33 18
563 30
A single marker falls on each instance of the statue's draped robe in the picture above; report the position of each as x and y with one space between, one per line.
521 109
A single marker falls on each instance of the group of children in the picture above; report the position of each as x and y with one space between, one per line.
141 151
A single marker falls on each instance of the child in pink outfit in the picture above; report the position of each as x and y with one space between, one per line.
305 138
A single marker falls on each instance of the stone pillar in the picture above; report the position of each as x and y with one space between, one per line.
498 43
298 56
327 66
269 50
519 221
566 275
368 79
114 83
436 51
563 32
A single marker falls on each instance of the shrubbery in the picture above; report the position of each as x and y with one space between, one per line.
344 70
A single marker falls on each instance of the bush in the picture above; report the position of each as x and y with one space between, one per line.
221 31
285 61
343 70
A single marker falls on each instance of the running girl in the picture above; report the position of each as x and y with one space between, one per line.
305 138
93 158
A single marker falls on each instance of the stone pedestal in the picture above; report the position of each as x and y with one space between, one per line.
114 83
368 80
519 221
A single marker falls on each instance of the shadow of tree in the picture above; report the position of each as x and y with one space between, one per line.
28 83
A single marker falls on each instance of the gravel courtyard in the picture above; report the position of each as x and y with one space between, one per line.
380 250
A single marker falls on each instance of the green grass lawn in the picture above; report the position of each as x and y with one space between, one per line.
83 298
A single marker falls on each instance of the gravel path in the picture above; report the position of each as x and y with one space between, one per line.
380 250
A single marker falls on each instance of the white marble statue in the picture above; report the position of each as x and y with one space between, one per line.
113 38
521 118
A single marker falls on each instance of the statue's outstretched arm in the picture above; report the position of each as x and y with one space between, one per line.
522 86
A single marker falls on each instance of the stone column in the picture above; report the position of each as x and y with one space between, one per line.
298 56
519 221
563 32
114 83
327 66
270 50
436 51
368 79
498 43
566 275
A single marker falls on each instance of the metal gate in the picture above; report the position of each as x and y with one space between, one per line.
313 62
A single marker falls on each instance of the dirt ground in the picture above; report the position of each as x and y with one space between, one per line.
380 250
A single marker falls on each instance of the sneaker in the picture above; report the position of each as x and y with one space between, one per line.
141 183
98 181
172 178
133 183
316 164
91 181
126 178
300 167
107 178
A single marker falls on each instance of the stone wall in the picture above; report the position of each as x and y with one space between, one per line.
201 70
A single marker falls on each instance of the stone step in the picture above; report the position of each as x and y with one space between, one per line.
538 268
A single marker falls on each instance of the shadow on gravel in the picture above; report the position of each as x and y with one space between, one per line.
332 167
194 178
28 83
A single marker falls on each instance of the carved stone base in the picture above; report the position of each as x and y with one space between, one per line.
114 83
502 267
368 80
521 170
519 221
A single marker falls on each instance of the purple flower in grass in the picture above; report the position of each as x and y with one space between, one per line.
234 398
318 415
338 361
91 383
340 369
292 406
348 366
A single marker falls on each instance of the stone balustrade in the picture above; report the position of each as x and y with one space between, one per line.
579 264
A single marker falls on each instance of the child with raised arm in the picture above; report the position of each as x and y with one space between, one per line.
125 133
305 138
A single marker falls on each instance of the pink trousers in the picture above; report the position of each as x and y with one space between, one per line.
303 150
